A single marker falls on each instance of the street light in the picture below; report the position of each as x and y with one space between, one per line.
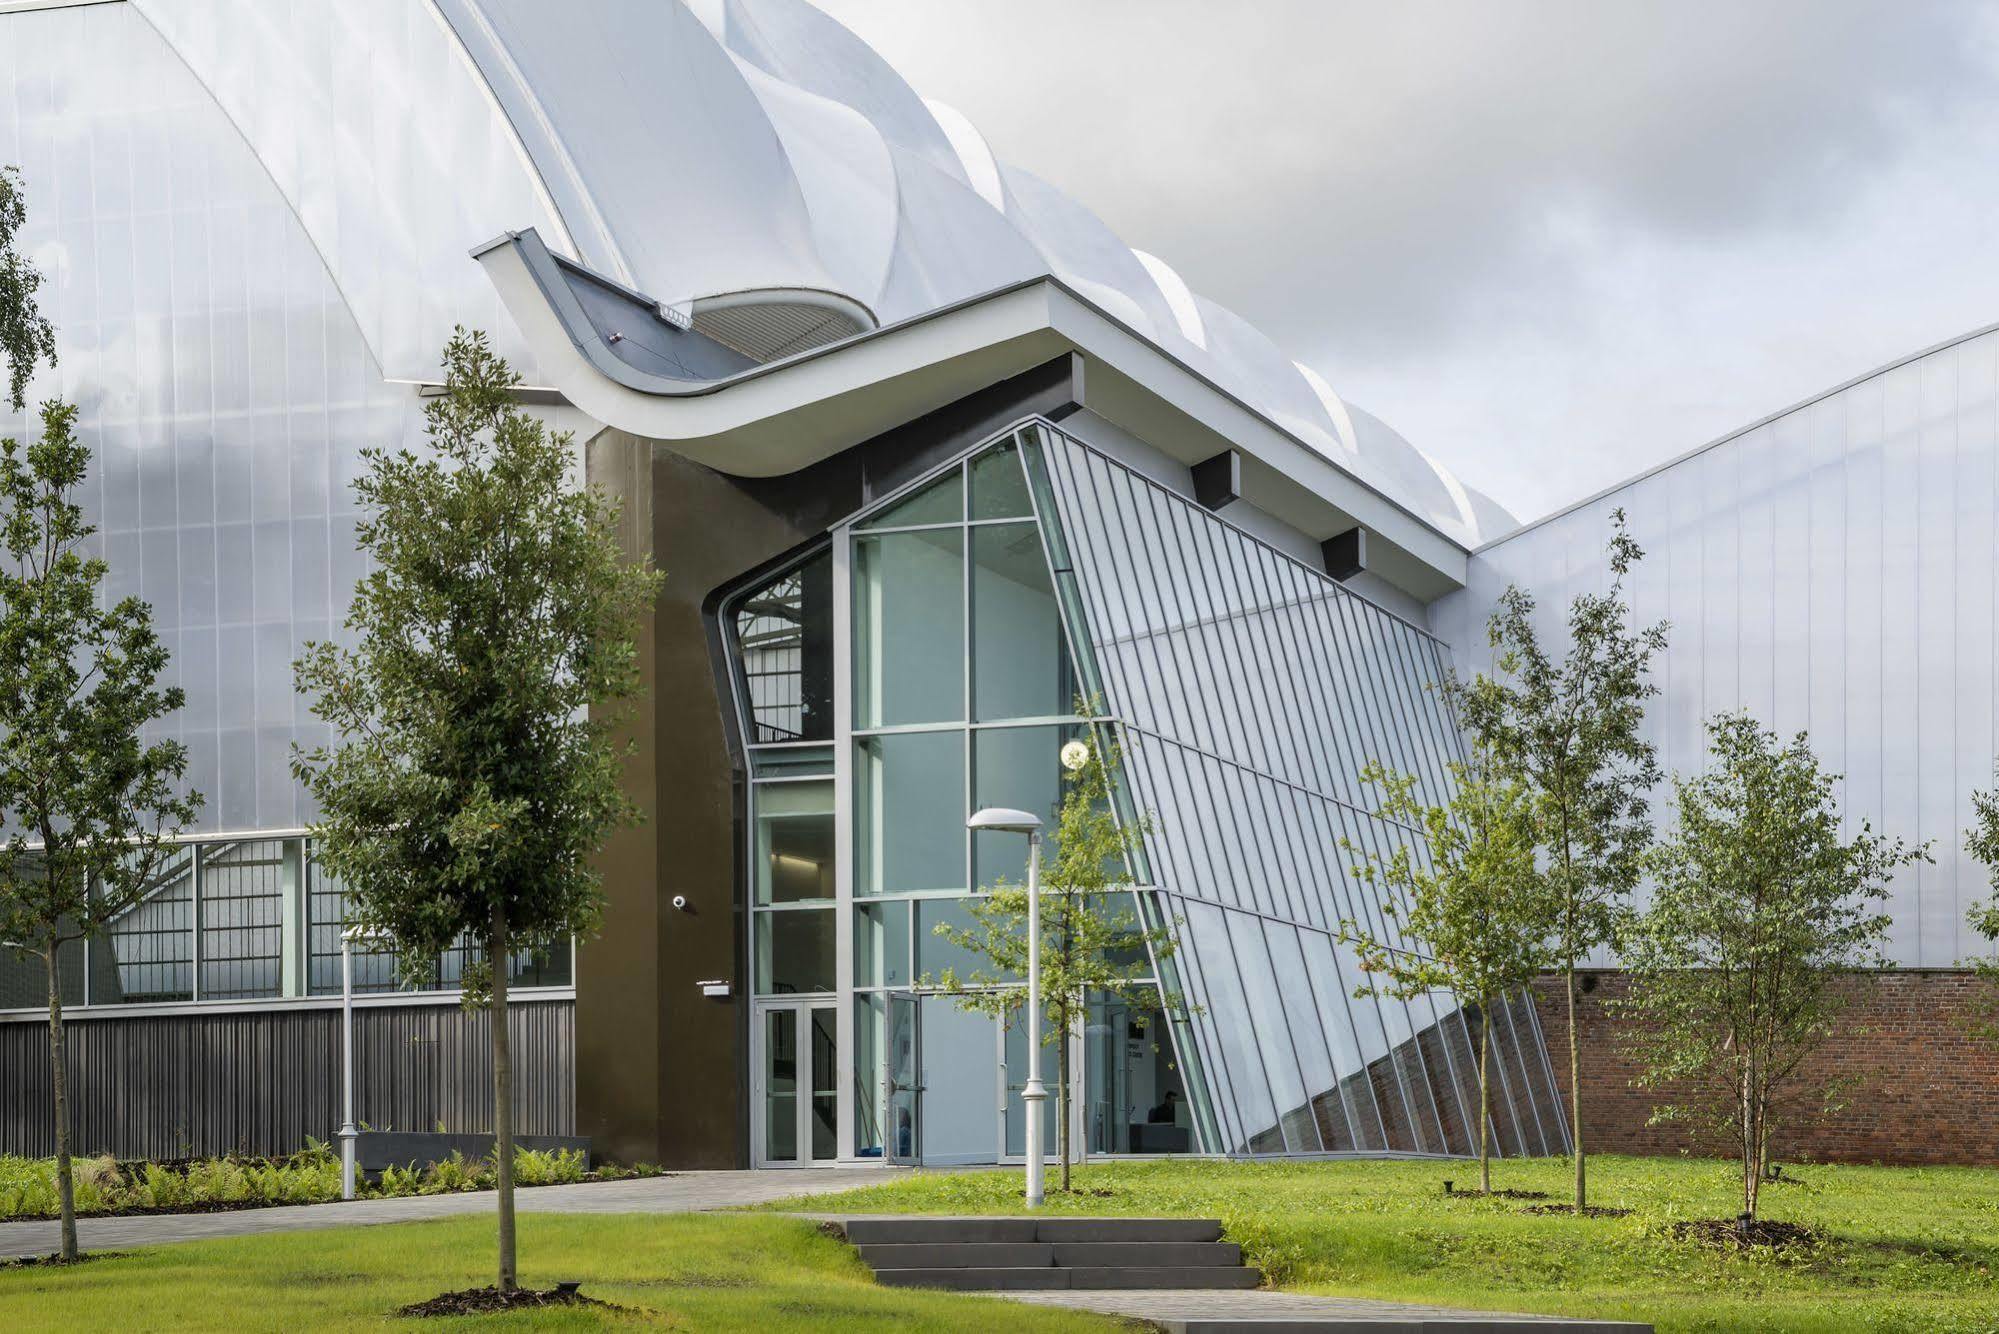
349 1133
1033 1095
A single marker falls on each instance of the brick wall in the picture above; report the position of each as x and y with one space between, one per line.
1926 1090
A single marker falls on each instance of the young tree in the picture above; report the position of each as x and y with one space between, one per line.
475 771
1571 729
1982 842
1758 905
25 335
1467 913
87 801
1090 935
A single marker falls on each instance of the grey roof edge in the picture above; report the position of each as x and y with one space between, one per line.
1736 434
542 266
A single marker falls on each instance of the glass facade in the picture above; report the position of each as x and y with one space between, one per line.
245 919
966 618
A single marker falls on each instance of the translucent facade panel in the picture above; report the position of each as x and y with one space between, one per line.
909 812
1832 572
909 659
222 383
1251 690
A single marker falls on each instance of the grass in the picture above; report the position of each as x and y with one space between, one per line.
688 1272
1905 1248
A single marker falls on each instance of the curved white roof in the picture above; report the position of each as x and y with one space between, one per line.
690 149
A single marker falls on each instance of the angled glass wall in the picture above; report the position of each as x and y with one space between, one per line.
1250 690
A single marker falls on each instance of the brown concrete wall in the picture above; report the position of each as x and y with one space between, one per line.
1926 1086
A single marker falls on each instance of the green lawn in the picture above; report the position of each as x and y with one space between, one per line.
690 1272
1908 1248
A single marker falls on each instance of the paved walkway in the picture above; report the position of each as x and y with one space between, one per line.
1267 1312
683 1192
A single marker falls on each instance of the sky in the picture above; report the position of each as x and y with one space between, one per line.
1551 243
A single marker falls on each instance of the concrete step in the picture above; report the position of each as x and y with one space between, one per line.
975 1280
957 1254
1148 1254
1057 1277
1127 1229
1148 1276
907 1231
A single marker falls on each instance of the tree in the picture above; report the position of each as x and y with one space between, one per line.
89 804
25 335
1758 905
474 771
1466 913
1982 842
1571 730
1090 935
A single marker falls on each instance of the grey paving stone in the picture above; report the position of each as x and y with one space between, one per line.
1265 1312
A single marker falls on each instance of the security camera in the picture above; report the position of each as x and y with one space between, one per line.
680 902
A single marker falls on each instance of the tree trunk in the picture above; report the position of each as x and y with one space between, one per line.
1576 1091
503 1098
1752 1142
1484 1102
59 1082
1062 1100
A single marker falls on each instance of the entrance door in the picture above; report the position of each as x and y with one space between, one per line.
902 1087
796 1097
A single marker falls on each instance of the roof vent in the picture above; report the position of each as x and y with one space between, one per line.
769 324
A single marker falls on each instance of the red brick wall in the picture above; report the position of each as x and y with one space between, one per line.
1926 1090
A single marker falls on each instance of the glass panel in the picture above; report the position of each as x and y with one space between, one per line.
794 849
24 979
999 488
781 1086
325 911
153 941
1020 767
909 812
943 501
794 951
960 1084
909 652
244 887
934 953
900 1078
784 640
870 1025
790 761
881 944
1020 665
1016 1080
825 1090
1135 1099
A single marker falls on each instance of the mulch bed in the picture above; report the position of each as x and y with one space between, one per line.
492 1301
1731 1234
1588 1210
1496 1195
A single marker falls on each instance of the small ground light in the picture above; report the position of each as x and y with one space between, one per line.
1447 1185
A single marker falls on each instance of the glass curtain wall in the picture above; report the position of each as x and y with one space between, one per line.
1250 691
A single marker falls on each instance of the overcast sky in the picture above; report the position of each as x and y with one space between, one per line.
1551 243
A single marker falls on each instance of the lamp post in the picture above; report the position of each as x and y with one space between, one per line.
1033 1095
349 1133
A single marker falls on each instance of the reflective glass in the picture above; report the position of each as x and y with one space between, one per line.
909 651
245 888
784 642
824 1089
795 951
1135 1100
935 954
794 850
909 812
781 1086
1020 663
881 944
943 501
999 487
153 941
1019 768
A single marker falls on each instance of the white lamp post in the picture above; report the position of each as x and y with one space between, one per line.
1033 1094
349 1133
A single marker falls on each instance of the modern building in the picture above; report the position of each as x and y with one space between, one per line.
930 460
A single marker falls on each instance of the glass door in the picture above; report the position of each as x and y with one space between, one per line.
796 1096
901 1087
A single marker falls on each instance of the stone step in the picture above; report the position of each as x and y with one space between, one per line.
957 1254
917 1229
1148 1254
1058 1277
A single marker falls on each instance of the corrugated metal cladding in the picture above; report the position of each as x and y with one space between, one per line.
259 1082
